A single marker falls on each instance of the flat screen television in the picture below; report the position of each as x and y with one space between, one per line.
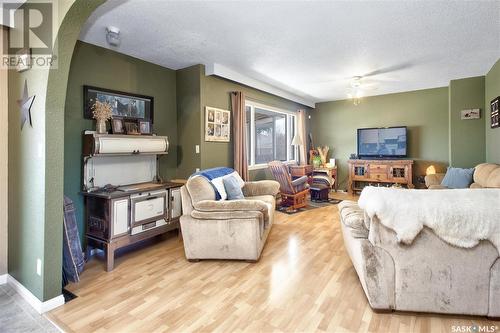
388 142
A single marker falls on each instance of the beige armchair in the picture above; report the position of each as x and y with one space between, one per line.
228 229
486 175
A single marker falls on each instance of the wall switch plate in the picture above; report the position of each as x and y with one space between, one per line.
197 148
39 267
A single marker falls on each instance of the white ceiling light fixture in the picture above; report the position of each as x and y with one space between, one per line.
113 36
355 93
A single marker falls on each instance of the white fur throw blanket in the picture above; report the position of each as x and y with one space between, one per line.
459 217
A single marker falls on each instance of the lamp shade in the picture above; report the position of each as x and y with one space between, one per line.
430 170
297 140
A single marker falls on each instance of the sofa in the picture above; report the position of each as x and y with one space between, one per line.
428 275
486 175
226 229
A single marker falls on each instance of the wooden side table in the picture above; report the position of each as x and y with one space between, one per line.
297 171
330 172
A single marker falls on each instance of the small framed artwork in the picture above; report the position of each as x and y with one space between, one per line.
494 112
217 125
471 114
144 127
131 128
117 126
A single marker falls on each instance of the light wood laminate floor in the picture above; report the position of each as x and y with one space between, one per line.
304 281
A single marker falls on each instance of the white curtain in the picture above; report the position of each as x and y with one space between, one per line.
301 129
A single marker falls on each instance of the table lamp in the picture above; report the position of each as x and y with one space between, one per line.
297 142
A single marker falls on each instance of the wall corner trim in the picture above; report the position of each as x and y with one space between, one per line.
39 306
3 279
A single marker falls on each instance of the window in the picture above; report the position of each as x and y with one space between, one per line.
269 134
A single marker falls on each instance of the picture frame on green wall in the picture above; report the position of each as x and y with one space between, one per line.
470 114
217 125
125 105
494 112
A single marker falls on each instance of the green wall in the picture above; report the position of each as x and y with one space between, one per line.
467 137
96 66
215 92
27 181
492 83
36 161
424 112
188 120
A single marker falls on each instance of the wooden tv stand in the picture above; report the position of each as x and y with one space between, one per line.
386 172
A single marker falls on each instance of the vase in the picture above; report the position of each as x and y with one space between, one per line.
100 126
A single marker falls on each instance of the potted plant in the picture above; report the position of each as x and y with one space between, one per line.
316 161
101 112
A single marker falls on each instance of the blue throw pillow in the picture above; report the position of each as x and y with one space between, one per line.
458 178
233 188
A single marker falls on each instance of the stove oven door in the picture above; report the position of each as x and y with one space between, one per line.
147 207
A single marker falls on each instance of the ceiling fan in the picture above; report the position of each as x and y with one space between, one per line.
357 88
359 83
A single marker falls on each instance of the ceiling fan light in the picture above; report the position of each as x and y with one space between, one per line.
356 82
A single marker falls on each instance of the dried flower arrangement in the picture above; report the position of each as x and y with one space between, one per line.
323 153
102 111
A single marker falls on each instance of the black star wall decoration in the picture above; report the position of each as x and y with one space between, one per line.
25 104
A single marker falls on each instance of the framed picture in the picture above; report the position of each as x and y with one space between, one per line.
471 114
144 127
494 112
124 105
217 125
131 128
117 126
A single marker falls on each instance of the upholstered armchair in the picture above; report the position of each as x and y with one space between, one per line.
226 229
293 192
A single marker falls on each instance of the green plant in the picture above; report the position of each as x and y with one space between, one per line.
316 160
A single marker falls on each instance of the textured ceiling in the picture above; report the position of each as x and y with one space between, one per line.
312 48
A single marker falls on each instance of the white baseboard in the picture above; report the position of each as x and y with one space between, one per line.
39 306
3 279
